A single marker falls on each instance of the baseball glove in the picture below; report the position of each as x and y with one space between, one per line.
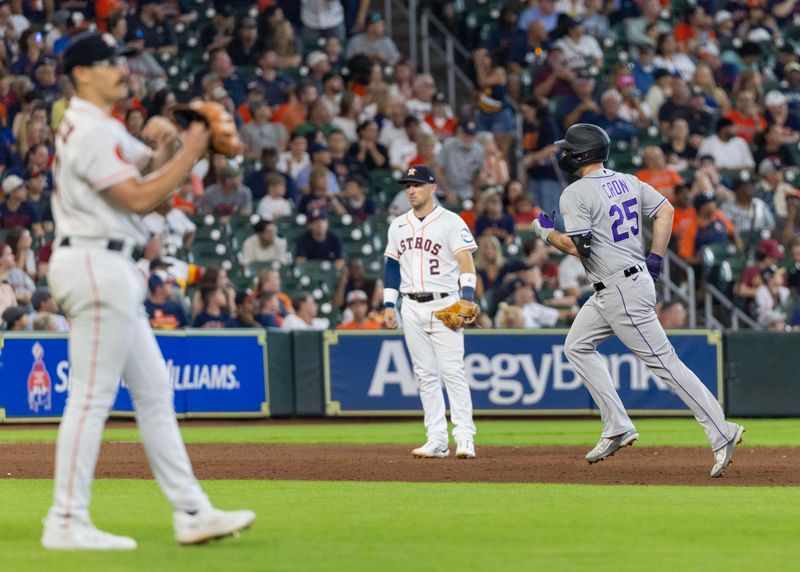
224 136
458 314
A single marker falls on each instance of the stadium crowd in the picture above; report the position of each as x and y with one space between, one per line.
701 100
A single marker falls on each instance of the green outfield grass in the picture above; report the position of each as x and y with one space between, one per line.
419 527
654 432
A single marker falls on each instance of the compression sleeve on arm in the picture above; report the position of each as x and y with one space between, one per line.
391 282
583 244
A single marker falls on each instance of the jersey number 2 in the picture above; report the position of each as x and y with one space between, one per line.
620 217
434 269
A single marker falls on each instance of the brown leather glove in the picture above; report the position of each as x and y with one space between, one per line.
224 136
458 314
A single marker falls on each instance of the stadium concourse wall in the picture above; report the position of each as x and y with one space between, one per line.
257 373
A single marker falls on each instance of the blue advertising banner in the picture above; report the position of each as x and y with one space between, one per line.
212 374
509 373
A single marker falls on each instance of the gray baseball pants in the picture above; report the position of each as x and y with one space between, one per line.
626 308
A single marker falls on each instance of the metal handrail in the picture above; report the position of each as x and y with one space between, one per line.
712 295
670 288
454 46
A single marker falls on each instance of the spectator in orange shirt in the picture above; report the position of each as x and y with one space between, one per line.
656 173
710 226
294 112
438 120
695 30
746 116
358 304
685 214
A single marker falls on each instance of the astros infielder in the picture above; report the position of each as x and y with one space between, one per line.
428 254
98 196
603 213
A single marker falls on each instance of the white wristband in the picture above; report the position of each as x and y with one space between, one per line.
390 295
468 279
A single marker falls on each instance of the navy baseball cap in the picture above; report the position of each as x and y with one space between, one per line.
418 174
88 48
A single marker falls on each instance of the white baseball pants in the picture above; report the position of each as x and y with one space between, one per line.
438 356
103 293
626 307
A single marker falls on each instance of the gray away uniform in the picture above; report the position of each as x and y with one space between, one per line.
611 206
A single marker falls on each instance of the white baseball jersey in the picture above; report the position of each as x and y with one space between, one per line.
611 206
426 250
94 152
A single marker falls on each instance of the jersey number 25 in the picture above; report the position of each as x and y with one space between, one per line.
620 215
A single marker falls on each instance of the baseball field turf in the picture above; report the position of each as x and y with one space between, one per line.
445 525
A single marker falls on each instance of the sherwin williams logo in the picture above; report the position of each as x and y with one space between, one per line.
191 377
40 389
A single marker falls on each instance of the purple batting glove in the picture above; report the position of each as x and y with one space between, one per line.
543 225
547 221
654 262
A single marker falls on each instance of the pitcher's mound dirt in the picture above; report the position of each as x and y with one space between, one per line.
758 466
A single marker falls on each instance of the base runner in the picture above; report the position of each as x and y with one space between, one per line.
603 213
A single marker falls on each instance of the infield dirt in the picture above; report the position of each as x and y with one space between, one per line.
759 466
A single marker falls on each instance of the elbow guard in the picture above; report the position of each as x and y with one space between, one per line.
583 243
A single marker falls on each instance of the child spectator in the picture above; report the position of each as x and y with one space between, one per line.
275 205
296 158
354 200
357 304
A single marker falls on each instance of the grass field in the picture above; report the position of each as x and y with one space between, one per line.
654 432
348 526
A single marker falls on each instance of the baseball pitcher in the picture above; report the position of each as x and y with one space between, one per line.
603 213
98 197
428 254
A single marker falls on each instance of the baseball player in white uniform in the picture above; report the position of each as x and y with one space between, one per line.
99 195
429 263
603 213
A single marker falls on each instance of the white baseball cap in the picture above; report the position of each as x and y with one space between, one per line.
12 183
722 16
315 58
774 97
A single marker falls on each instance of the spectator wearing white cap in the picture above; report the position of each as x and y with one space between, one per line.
318 65
790 86
786 55
778 114
358 306
772 189
17 210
